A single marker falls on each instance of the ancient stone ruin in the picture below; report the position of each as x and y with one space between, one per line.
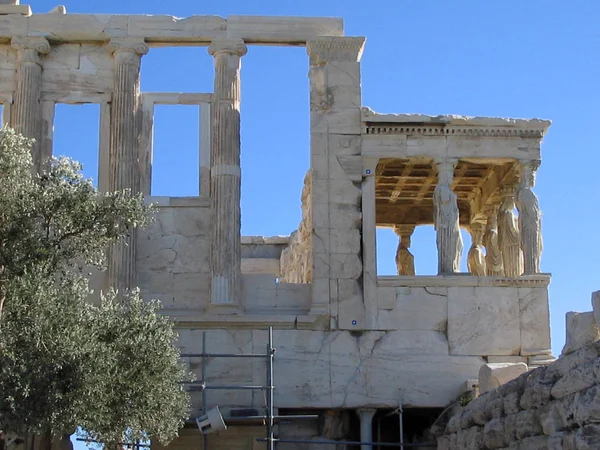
361 357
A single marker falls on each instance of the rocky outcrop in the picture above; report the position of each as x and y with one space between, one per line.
551 407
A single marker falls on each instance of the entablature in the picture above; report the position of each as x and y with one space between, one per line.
159 30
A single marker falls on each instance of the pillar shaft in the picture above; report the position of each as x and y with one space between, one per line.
225 185
366 426
26 114
530 218
123 158
446 220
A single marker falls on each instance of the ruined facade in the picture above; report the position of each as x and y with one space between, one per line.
352 346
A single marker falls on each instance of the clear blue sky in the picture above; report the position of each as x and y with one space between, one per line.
515 58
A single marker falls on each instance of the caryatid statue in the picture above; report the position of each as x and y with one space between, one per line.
405 261
446 220
476 257
493 256
509 237
530 218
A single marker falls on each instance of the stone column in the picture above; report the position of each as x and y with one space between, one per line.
405 261
26 114
366 426
123 157
446 219
509 237
225 184
493 256
530 218
476 257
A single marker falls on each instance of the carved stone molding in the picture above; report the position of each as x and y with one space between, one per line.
137 46
441 130
539 280
325 49
229 46
30 48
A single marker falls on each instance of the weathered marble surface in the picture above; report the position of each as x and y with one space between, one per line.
480 322
581 329
492 375
337 369
166 29
173 256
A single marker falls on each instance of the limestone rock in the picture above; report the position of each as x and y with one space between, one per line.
493 375
537 390
596 306
581 330
587 406
588 437
578 379
493 434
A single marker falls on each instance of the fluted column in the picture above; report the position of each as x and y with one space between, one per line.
123 158
225 185
446 219
26 114
405 261
509 237
530 218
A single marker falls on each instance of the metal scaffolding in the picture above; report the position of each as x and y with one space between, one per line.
269 417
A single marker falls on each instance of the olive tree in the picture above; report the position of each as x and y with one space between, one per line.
110 369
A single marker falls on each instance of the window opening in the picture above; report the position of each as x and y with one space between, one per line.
76 135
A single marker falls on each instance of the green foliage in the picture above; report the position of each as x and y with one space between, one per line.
112 368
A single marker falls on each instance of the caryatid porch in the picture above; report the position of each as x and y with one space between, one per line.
456 172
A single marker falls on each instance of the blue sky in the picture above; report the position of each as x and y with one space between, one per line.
509 58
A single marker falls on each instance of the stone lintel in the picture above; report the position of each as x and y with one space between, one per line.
282 30
330 48
168 30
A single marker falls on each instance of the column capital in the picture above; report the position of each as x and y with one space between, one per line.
229 46
445 170
128 45
527 170
507 191
445 163
30 47
335 48
404 230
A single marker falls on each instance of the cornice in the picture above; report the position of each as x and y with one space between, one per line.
338 48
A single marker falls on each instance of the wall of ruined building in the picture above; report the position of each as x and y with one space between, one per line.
482 316
173 263
296 259
173 253
329 369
